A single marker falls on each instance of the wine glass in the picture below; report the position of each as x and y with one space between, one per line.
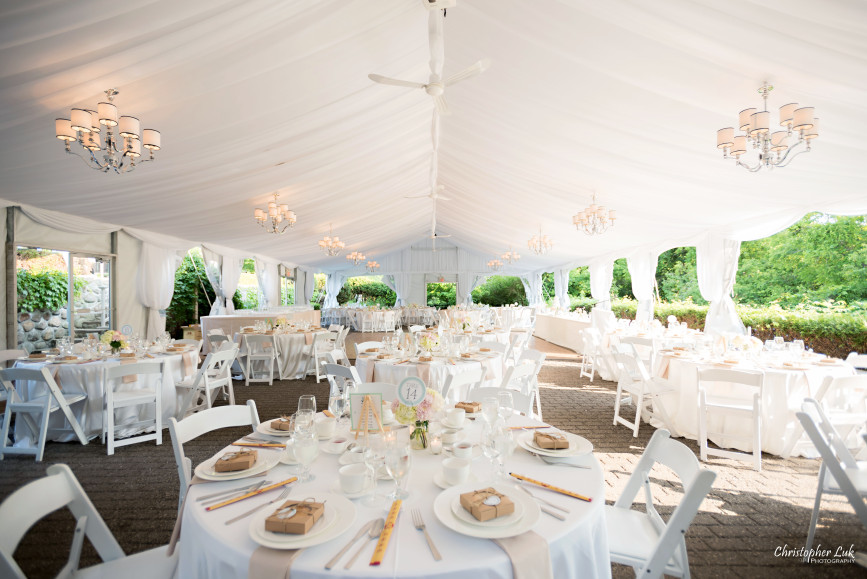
506 403
374 459
490 409
398 460
307 402
306 450
490 448
304 421
505 446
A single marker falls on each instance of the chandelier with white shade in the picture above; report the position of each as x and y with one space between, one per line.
540 244
495 265
595 219
355 257
510 256
277 218
773 149
372 266
117 152
331 244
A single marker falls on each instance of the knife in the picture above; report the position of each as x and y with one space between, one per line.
361 533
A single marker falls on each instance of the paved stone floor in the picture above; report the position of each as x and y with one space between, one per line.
747 516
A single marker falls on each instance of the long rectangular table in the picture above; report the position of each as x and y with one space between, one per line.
565 332
232 324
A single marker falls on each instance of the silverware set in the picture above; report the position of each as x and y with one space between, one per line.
361 532
226 495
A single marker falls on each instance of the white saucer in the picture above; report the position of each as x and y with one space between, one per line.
368 487
265 428
451 426
440 480
333 448
477 451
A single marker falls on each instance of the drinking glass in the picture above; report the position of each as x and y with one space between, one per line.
505 446
490 409
798 345
304 421
779 342
374 460
307 402
506 403
398 460
306 450
490 448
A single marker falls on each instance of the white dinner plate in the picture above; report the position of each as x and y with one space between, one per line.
578 445
338 509
265 428
440 480
442 507
461 513
368 487
264 461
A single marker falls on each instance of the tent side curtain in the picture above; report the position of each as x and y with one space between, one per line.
642 270
716 265
561 288
268 278
533 288
333 284
601 277
155 284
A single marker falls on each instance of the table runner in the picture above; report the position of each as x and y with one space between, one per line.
268 563
529 554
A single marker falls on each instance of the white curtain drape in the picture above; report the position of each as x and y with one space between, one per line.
232 267
533 288
214 271
155 284
642 270
399 284
601 276
561 288
717 264
467 282
267 276
333 284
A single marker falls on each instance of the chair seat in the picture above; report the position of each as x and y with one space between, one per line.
847 418
153 563
858 478
143 394
731 404
39 401
632 538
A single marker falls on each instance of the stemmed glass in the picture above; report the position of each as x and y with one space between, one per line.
306 445
506 403
398 460
505 445
490 448
374 459
490 409
307 402
304 421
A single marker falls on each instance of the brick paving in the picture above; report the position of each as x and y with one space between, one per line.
745 518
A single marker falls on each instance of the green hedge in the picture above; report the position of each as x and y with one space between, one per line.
46 290
372 292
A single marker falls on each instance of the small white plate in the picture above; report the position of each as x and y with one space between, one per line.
461 513
440 480
443 511
368 486
332 448
451 426
337 508
477 451
264 428
578 445
264 462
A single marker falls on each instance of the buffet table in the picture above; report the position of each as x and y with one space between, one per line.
565 332
231 325
578 546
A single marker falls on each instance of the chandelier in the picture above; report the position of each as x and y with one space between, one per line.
495 265
355 257
510 256
119 151
372 266
277 218
540 244
331 244
595 219
774 149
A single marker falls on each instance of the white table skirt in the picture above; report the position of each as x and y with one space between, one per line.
578 546
233 324
782 395
438 370
563 332
87 378
291 361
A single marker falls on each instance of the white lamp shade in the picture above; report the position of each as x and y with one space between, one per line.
94 121
612 215
133 148
761 122
130 127
81 120
803 118
778 141
63 130
744 120
724 137
740 145
290 215
284 208
813 131
787 113
151 139
259 214
107 113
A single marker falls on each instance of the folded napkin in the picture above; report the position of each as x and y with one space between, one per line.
132 377
530 555
268 563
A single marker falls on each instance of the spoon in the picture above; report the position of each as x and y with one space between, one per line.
374 533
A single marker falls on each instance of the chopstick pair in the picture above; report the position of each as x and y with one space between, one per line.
551 487
260 444
252 494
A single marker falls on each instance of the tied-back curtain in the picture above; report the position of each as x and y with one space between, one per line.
561 288
601 276
333 284
642 270
155 284
214 271
467 282
267 276
717 264
232 267
399 284
533 288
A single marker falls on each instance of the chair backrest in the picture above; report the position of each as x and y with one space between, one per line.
416 328
696 483
535 357
592 340
388 391
496 347
856 360
202 422
216 332
335 328
843 394
6 355
137 369
644 347
322 339
259 344
714 376
630 366
454 386
342 372
337 356
41 375
364 346
216 340
522 403
30 503
519 377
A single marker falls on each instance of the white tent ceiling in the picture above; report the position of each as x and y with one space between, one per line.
619 97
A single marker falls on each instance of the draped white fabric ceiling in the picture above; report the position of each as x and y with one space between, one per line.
260 96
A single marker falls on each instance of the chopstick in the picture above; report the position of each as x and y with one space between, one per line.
551 487
252 494
228 492
260 444
528 427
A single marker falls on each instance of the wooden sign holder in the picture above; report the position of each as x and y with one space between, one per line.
368 407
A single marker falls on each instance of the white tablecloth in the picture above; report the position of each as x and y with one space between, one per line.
87 378
233 324
565 332
433 373
578 546
291 362
519 316
782 395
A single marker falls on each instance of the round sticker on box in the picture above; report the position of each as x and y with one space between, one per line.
411 391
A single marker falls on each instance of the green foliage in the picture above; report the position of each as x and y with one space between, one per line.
249 266
676 276
47 290
501 290
189 294
287 292
372 292
441 295
246 298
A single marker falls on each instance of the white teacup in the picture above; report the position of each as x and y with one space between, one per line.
337 445
352 477
325 426
387 415
354 454
455 417
456 470
463 450
451 436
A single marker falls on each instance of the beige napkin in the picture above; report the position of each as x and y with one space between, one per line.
368 370
662 371
423 371
268 563
132 377
308 338
187 359
529 554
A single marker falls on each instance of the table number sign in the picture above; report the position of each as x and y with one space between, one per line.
411 391
358 409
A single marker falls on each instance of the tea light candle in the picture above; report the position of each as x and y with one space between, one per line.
436 443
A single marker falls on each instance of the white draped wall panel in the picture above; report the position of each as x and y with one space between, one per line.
717 264
155 284
601 277
642 270
333 283
267 276
214 271
561 288
533 288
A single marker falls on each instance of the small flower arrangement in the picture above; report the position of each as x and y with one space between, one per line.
744 343
428 342
114 339
419 415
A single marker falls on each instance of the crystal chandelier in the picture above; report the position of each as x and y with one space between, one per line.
774 149
331 244
355 257
372 266
277 218
540 244
510 256
595 219
495 265
119 151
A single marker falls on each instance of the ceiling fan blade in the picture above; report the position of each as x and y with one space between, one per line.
416 196
442 107
443 198
394 81
478 68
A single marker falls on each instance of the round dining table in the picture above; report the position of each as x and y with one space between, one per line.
291 360
578 545
372 368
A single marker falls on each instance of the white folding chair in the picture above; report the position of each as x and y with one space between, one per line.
517 344
340 342
857 361
730 393
183 431
388 391
337 356
365 346
840 473
217 332
323 342
216 341
6 356
59 488
45 399
521 402
498 348
635 385
116 396
195 343
335 328
644 348
214 376
457 385
259 348
367 321
520 378
536 358
643 540
339 379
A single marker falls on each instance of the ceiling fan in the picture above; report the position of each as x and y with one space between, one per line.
435 195
435 86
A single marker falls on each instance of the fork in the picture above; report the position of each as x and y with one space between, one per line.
418 521
282 496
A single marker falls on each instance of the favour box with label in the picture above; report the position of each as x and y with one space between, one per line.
282 424
295 517
232 461
470 407
550 440
487 504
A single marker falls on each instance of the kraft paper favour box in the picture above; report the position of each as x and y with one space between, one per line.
484 349
470 407
282 424
295 517
466 355
37 355
127 355
550 441
232 461
487 504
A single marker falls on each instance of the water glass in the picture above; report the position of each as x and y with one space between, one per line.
304 421
490 409
374 459
307 402
306 450
506 403
398 460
